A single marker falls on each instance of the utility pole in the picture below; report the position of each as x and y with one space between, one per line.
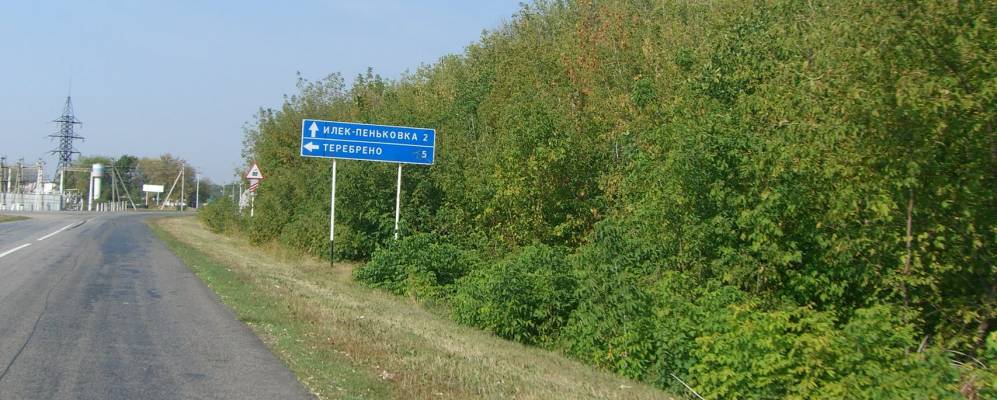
66 135
124 187
17 182
197 192
10 175
114 185
170 193
39 184
3 181
183 177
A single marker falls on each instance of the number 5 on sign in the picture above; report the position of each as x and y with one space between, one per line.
352 141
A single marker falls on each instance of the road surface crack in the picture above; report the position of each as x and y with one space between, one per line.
34 327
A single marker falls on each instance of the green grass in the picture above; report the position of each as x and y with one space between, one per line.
9 218
344 340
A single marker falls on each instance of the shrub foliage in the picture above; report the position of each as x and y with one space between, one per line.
419 265
526 297
764 199
221 215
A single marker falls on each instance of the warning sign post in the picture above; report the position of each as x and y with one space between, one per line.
254 176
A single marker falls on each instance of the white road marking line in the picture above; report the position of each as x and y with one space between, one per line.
14 249
53 233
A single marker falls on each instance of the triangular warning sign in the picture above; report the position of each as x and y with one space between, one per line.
254 172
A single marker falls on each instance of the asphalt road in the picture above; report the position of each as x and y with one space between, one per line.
93 306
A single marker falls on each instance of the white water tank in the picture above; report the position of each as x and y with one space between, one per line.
96 174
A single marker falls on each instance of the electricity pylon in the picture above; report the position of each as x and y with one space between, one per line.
66 135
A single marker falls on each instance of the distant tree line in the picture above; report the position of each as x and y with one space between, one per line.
133 172
762 199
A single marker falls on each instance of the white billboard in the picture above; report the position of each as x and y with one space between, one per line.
152 188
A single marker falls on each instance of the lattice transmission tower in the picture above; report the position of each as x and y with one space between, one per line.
66 136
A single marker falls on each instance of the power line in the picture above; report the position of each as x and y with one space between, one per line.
66 135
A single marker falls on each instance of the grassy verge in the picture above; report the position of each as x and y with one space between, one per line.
325 372
347 341
9 218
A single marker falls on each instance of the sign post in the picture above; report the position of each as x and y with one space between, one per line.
157 189
366 142
398 200
332 217
254 176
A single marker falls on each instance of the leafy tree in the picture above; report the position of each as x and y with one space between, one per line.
765 199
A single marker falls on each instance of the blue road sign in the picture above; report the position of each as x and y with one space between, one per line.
346 140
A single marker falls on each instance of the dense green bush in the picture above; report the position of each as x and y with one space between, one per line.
798 353
613 325
355 244
220 215
754 192
986 372
420 265
301 231
526 297
685 311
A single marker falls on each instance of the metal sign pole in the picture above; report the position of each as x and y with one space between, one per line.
398 200
183 177
366 142
332 218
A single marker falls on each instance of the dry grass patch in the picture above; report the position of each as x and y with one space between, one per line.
9 218
410 351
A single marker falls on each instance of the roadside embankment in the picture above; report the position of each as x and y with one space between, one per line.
347 341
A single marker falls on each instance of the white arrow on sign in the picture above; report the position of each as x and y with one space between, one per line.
311 146
313 129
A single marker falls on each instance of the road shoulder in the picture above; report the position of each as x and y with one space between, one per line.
11 218
344 340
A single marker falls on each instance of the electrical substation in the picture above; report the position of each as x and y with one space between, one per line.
24 186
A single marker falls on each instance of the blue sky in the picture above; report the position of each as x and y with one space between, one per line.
150 77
